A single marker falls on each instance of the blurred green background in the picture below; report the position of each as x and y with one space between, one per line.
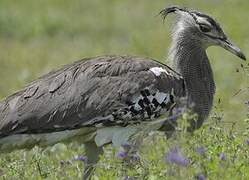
38 36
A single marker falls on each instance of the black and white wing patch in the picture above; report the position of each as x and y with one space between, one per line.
145 107
146 103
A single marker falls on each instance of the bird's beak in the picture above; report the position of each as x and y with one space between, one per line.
228 45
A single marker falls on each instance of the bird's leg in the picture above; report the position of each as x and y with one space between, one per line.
92 152
169 125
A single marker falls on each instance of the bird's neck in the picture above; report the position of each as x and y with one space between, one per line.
189 58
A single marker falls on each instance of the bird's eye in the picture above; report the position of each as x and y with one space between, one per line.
205 28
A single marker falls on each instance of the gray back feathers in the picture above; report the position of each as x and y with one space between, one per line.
87 93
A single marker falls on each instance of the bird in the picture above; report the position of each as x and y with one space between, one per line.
109 99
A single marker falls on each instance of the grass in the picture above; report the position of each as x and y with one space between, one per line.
38 36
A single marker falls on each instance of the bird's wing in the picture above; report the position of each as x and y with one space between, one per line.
106 90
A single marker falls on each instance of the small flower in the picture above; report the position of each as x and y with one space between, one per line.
174 156
176 113
126 146
80 158
121 154
200 150
222 156
200 176
128 178
247 141
128 153
178 110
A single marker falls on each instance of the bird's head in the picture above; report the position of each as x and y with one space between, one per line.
201 28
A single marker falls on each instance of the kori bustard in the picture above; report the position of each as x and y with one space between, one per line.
109 99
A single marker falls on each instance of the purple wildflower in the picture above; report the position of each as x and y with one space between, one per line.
200 176
80 158
247 141
222 156
176 113
200 150
126 146
121 154
174 156
128 178
128 153
128 156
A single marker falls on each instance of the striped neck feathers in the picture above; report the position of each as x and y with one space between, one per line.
188 57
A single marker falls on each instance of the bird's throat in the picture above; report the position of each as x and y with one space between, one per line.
189 58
